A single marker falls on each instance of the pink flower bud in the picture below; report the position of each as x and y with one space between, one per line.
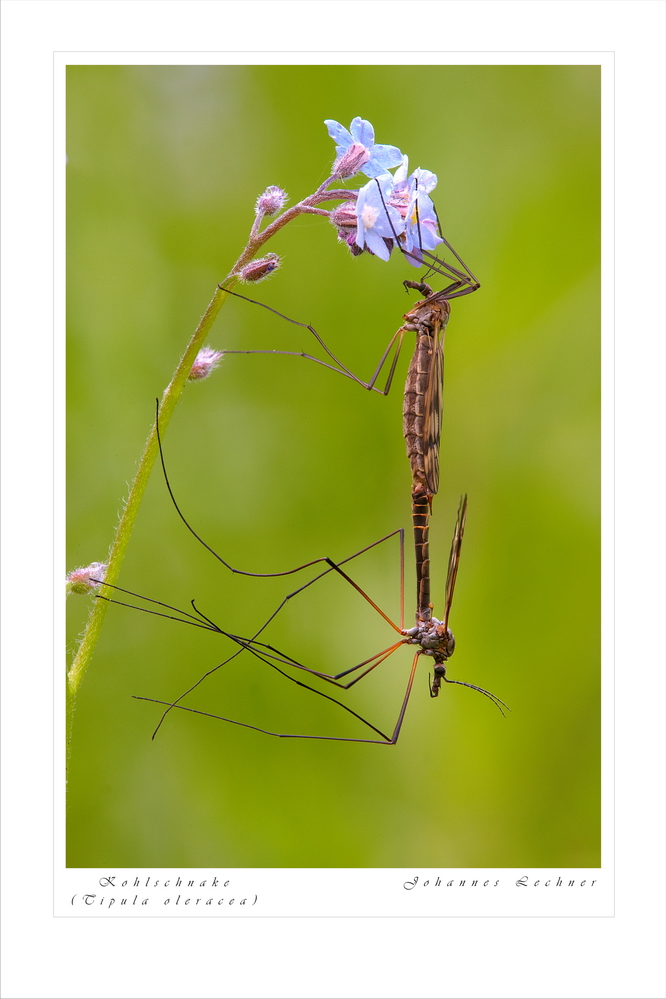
344 216
204 363
349 239
257 270
344 219
86 579
351 161
271 201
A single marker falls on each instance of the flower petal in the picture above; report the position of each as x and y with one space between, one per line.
400 176
338 133
426 180
381 158
374 242
362 132
414 257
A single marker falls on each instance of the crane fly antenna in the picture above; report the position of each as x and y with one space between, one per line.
497 701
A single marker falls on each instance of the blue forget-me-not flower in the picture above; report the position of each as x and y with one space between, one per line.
361 133
390 209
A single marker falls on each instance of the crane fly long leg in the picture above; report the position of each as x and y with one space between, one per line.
470 276
269 652
384 741
185 618
333 566
253 646
254 728
435 265
324 559
198 537
380 658
365 595
266 652
265 657
342 369
298 683
245 645
227 565
190 619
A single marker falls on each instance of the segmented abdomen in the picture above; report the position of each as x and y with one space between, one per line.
414 414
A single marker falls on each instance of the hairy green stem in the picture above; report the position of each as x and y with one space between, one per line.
170 397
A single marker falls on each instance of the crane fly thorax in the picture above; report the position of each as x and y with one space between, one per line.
428 316
434 637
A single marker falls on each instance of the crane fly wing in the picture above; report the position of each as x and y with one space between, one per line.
454 557
432 429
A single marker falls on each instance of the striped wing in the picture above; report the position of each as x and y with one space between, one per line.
432 428
454 557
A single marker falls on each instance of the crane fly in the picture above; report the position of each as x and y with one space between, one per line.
422 416
433 638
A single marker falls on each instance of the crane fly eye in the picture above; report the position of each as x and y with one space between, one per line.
450 643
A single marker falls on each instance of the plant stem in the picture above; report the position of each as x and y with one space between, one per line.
169 399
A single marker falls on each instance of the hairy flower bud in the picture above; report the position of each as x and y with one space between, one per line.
204 363
351 161
257 270
86 579
271 201
349 239
344 219
344 216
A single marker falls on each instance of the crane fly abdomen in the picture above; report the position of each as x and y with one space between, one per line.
422 412
420 519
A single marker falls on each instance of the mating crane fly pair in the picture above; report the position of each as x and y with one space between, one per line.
422 418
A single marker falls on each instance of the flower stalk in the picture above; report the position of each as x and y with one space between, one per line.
124 530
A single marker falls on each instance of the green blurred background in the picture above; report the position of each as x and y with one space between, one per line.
276 461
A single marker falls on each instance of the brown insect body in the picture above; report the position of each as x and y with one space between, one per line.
422 423
422 411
